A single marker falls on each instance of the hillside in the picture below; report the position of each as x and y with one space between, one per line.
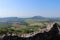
36 20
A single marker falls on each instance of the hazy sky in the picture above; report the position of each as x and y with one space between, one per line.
28 8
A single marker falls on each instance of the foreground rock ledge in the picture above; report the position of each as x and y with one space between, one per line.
52 34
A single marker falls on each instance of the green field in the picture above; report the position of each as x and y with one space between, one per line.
23 27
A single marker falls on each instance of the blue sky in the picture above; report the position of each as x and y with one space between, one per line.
29 8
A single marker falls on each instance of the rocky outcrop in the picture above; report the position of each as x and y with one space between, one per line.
53 34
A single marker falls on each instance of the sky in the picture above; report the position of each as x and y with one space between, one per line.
29 8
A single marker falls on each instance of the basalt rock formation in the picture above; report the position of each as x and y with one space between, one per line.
53 34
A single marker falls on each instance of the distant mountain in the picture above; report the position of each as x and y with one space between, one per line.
11 19
46 18
38 17
14 19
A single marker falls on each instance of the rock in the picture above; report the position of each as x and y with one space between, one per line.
53 34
